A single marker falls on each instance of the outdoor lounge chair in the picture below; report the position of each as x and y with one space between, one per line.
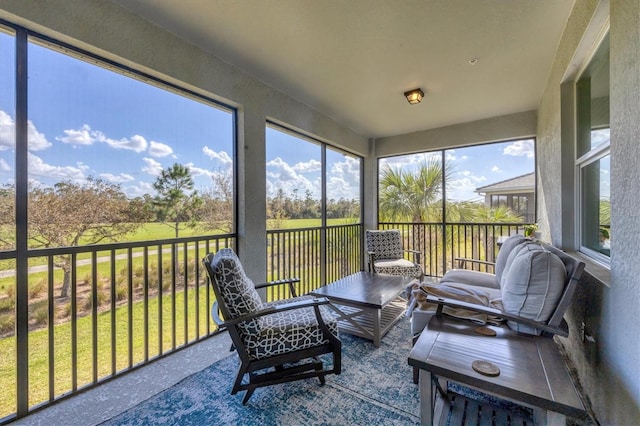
536 287
386 255
277 342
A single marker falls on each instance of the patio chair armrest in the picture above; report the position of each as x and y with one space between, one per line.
463 260
298 304
417 255
441 302
289 281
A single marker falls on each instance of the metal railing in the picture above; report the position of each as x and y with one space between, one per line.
314 255
321 255
131 303
442 244
126 305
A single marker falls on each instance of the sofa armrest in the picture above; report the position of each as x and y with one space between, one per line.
561 330
462 262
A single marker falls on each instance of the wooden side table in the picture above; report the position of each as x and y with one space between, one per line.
532 370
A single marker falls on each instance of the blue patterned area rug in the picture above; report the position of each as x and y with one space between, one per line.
375 388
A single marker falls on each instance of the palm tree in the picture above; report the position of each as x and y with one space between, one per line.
413 196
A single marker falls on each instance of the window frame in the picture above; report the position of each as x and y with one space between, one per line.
589 157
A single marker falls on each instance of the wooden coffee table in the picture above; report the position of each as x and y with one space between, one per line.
367 303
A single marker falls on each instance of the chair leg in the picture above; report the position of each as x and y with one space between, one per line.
247 395
238 383
416 375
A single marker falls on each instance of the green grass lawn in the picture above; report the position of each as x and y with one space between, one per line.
39 345
62 350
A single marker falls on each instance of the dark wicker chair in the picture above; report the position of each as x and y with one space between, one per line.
277 342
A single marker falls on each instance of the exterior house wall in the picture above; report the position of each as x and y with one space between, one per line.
115 33
608 304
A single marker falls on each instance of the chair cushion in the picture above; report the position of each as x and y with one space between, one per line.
503 254
512 256
237 290
402 267
386 244
533 285
468 277
283 332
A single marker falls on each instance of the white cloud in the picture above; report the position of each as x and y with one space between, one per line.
86 136
121 178
158 149
197 171
282 170
37 140
343 180
463 188
496 169
308 167
37 167
136 143
152 167
221 156
520 148
4 166
281 175
82 136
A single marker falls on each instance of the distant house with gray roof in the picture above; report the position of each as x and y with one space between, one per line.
517 193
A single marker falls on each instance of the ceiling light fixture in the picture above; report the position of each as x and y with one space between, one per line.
414 96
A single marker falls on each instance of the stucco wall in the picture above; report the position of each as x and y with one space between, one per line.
111 31
609 367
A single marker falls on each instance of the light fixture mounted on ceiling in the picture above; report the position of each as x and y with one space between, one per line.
414 96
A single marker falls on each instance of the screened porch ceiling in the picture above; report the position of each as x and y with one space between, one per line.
353 59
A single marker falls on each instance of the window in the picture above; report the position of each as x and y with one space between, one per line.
295 182
450 203
593 156
313 209
93 128
499 201
98 137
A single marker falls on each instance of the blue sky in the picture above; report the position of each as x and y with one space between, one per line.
89 121
477 166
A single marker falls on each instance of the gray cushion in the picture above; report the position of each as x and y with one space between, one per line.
533 285
515 251
503 254
465 276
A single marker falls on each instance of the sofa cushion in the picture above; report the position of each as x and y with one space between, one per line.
503 254
515 251
468 277
533 285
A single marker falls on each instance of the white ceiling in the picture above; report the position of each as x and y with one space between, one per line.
353 59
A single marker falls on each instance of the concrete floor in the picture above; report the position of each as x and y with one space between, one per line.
105 401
